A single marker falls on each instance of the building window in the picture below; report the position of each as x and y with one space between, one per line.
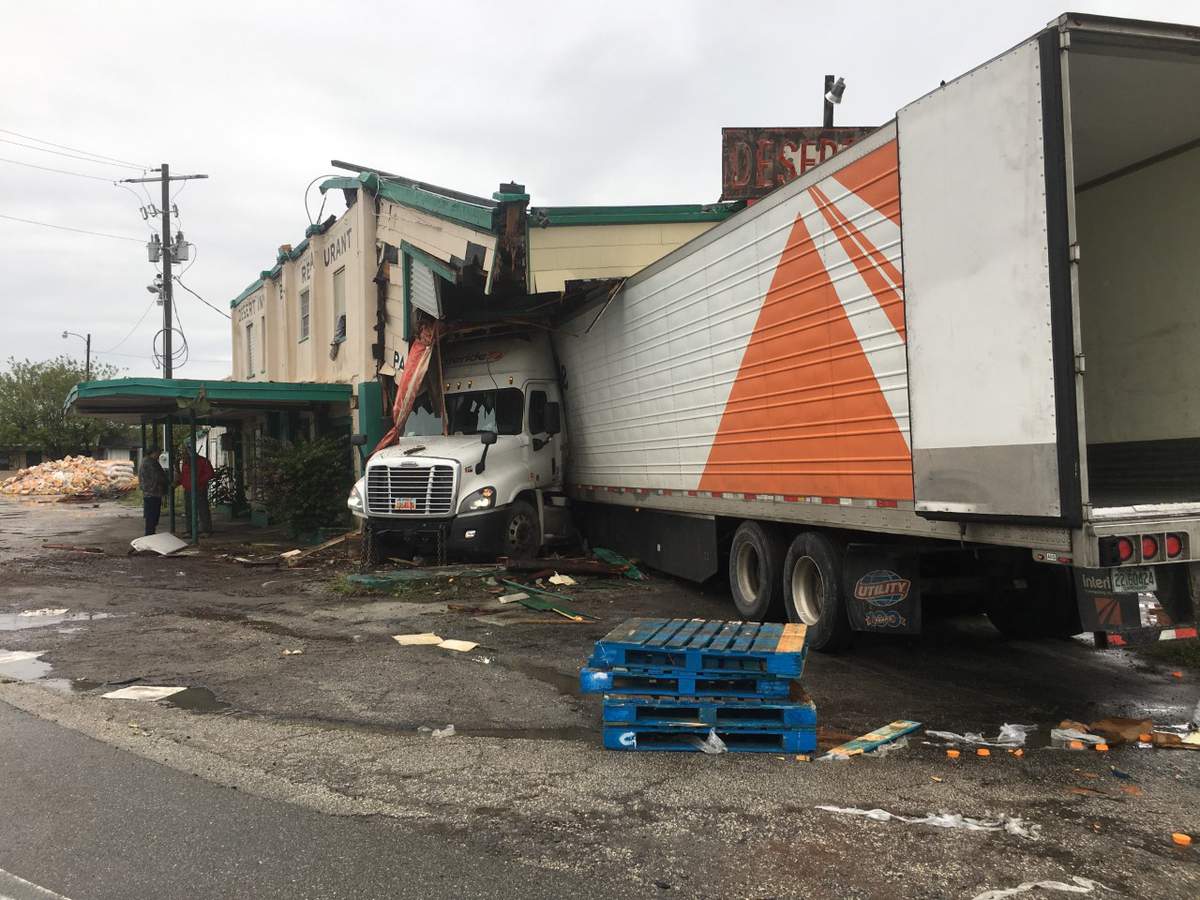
304 297
339 304
250 349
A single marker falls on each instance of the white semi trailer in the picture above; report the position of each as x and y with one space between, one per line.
958 358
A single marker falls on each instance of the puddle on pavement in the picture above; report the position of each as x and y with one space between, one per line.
560 681
19 621
23 665
222 615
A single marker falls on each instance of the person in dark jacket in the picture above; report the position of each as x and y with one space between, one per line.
153 482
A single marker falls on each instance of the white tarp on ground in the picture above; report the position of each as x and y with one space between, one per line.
164 543
142 692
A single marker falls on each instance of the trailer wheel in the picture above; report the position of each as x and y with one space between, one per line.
812 591
522 533
370 548
755 570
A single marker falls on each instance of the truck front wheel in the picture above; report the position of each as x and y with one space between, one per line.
370 549
522 532
812 591
755 564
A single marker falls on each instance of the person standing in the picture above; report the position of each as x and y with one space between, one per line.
204 474
153 482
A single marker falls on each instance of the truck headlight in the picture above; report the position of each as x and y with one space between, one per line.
484 498
355 500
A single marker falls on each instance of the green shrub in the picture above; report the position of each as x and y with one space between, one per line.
305 484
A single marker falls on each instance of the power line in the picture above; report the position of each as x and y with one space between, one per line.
215 309
119 237
17 162
133 329
99 156
98 162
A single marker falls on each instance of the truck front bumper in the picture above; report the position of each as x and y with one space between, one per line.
476 534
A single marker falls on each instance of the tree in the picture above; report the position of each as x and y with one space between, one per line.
32 397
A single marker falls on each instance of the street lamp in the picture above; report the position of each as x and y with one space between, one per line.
88 358
833 95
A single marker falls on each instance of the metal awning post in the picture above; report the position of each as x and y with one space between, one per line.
192 466
170 445
142 455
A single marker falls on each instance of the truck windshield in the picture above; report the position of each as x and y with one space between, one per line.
470 412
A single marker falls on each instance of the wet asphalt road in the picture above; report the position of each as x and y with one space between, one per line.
91 822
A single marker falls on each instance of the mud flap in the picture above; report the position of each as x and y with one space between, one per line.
882 590
1120 619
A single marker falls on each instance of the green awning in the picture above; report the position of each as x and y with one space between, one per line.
214 402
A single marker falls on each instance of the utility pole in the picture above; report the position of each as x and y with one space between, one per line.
828 120
169 250
87 358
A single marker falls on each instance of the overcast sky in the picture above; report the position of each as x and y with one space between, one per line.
621 102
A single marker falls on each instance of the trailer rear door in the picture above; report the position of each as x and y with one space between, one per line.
987 293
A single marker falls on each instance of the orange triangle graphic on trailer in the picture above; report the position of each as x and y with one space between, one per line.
805 415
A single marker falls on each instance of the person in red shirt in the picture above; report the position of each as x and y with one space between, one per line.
204 474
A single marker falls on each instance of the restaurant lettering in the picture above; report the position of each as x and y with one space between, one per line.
337 246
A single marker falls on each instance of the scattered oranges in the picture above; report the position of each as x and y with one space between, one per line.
1102 748
1075 745
1018 753
953 754
983 751
1183 840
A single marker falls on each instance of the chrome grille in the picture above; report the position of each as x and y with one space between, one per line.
410 489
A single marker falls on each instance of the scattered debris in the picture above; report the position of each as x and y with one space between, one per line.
295 557
1190 741
1182 839
486 660
535 602
290 554
257 560
873 740
74 547
565 566
562 580
292 652
164 543
1132 790
77 477
628 569
1009 736
45 611
413 640
513 598
1118 730
1010 824
460 646
711 744
936 779
142 692
1078 886
952 754
448 731
1070 733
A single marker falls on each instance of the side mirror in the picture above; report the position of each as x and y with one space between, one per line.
553 418
358 440
487 438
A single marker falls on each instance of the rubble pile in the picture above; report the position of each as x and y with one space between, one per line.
73 476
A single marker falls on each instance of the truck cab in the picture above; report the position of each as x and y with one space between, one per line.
478 468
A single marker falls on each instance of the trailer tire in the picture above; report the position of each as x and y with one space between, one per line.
755 571
522 531
370 547
812 591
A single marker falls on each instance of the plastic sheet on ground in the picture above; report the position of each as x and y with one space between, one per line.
1009 736
448 731
1078 886
163 543
1064 735
1009 824
710 744
142 692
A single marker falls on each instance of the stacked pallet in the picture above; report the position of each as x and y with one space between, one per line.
671 684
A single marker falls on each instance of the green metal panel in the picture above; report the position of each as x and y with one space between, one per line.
371 420
474 215
246 293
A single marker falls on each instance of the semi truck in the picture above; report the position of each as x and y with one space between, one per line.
957 360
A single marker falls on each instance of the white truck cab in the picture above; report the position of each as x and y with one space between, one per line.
483 477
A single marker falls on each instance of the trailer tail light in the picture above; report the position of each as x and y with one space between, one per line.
1174 544
1115 551
1149 547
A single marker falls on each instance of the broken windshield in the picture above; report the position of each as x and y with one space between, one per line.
469 412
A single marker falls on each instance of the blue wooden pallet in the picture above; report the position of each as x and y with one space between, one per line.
704 646
670 683
646 737
685 712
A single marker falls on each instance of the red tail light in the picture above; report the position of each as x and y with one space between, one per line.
1124 549
1149 547
1174 546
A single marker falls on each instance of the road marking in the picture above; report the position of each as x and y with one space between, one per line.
15 888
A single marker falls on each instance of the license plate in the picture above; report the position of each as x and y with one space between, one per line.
1133 580
404 504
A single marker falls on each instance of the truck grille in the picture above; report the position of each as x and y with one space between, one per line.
410 489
